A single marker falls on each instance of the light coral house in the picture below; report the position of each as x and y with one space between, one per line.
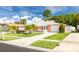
46 26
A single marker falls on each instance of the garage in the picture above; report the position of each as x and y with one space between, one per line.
55 28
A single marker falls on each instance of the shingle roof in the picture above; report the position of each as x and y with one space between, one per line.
43 23
16 24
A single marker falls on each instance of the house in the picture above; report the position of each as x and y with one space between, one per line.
16 27
41 26
49 26
78 27
69 28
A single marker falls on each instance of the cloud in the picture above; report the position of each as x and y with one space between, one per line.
36 19
54 9
16 17
6 20
26 17
8 8
27 13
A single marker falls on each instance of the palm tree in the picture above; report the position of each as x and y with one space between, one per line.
30 28
23 21
46 14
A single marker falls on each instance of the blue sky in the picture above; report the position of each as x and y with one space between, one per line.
35 11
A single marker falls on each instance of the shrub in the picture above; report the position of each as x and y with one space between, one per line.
61 28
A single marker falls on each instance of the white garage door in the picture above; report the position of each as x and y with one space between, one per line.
55 28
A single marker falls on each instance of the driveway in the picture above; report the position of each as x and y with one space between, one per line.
71 44
25 42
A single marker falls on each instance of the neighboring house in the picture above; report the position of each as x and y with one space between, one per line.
17 27
49 26
78 27
69 28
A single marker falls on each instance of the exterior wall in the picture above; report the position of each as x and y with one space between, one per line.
21 28
40 28
52 28
55 28
49 28
5 27
68 29
77 27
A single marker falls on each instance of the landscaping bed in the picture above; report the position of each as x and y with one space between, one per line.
50 44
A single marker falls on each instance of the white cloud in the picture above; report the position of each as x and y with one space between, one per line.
15 17
36 19
26 17
54 8
3 20
9 8
6 20
26 13
41 15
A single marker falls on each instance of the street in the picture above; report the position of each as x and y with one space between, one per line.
12 48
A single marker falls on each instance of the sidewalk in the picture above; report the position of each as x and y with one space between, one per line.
71 44
25 42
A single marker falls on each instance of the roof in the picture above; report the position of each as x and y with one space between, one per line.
16 24
43 23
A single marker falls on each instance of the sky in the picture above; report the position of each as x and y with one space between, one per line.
35 12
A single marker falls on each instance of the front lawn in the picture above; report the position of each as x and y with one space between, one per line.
7 38
23 34
50 44
45 44
13 36
59 36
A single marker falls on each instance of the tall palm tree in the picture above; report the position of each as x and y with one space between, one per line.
30 28
47 14
23 21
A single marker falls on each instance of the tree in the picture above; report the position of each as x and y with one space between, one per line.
75 20
46 14
30 28
61 28
23 21
69 19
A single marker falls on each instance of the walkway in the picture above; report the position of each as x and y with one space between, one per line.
70 44
25 42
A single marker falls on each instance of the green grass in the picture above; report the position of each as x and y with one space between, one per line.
7 38
17 35
45 44
23 34
59 36
49 44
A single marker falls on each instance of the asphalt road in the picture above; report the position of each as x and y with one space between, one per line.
12 48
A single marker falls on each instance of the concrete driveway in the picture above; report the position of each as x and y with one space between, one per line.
28 40
71 44
24 42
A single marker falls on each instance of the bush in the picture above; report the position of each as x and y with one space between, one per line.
61 28
20 31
